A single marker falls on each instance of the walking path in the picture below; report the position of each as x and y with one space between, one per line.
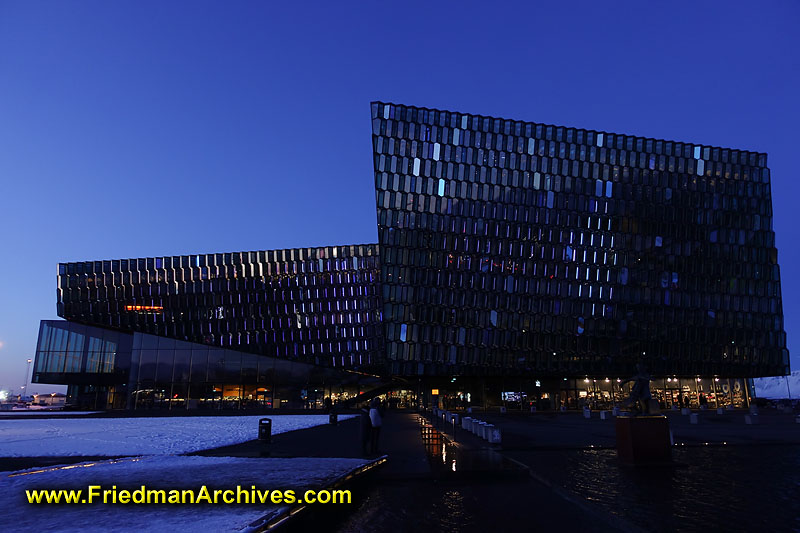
426 484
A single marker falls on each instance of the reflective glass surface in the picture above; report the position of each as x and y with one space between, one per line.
509 246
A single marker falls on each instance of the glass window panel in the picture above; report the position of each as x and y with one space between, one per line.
147 365
166 359
199 364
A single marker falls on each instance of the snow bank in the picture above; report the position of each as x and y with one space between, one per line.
162 472
45 412
138 436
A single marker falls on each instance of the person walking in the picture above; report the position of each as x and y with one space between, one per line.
366 430
376 421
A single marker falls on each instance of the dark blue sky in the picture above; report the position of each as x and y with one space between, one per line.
132 129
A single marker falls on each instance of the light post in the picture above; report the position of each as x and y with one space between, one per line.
27 372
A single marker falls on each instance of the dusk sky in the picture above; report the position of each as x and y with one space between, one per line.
136 129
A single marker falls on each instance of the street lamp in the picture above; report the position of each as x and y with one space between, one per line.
27 372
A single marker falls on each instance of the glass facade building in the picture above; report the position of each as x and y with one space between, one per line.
233 327
316 305
510 248
515 261
105 368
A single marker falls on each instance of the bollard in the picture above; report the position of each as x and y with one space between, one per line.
533 408
605 415
469 410
686 411
465 422
563 408
265 430
703 407
587 413
729 407
751 420
694 418
495 437
720 411
503 410
753 409
797 419
615 411
333 419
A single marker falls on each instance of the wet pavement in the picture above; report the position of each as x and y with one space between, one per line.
465 489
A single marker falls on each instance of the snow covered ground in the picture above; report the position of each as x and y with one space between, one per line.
44 412
161 472
138 436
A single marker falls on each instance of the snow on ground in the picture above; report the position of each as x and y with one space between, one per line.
161 472
44 412
138 436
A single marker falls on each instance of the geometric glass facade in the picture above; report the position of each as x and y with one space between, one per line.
512 257
316 305
510 247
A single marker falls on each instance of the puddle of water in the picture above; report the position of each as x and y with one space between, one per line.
742 488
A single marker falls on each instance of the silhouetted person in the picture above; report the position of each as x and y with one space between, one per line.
366 430
686 400
376 421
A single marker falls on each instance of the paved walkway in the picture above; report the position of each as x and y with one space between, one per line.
457 488
426 484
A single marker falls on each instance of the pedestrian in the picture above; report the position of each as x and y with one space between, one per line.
686 400
375 422
366 430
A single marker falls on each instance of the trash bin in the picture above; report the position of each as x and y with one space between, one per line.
265 430
333 419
